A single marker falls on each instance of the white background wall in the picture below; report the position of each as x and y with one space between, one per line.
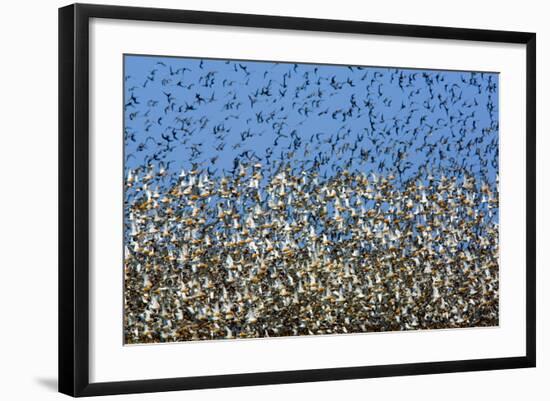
28 199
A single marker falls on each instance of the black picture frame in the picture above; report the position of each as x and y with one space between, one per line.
74 198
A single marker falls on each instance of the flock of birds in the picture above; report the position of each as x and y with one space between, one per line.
276 199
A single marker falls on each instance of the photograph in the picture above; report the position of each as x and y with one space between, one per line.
281 198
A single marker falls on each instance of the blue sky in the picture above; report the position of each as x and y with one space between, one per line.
214 114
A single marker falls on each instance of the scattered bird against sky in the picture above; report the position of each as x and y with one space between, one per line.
213 114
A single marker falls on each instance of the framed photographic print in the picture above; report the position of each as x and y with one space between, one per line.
249 199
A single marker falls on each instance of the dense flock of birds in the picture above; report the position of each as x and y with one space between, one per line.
279 199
